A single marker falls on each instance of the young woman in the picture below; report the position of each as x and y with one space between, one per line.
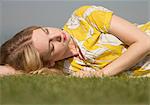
93 42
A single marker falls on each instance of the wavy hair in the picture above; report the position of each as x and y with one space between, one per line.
20 53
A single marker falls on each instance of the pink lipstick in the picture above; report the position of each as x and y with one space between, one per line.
65 37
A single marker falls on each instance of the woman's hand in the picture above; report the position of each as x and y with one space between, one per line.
88 73
8 70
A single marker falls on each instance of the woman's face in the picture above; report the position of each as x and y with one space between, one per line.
51 43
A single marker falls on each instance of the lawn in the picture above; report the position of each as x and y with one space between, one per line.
45 90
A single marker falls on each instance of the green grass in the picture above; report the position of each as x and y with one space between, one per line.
44 90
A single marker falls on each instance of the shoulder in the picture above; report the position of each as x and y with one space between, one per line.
88 9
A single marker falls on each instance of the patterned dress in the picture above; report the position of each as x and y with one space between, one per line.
88 27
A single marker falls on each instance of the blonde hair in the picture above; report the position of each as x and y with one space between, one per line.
20 53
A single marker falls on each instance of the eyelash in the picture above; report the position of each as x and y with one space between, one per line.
53 48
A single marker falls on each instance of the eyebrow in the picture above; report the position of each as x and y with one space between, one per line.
45 30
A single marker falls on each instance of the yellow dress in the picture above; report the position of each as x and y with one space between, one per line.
88 27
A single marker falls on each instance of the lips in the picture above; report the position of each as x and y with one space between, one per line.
64 36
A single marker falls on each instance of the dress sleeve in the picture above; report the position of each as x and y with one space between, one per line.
97 16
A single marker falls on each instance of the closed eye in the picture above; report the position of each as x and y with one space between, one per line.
51 47
50 51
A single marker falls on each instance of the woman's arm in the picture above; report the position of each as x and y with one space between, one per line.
138 41
8 70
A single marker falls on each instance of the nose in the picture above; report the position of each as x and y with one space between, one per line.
56 37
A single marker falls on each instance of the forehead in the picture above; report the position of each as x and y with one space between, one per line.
40 40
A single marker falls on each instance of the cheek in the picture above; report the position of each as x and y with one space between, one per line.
60 50
42 48
41 43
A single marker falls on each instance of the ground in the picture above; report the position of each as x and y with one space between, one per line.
46 90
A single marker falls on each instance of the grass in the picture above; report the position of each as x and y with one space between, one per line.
45 90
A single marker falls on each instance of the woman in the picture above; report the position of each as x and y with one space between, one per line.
94 42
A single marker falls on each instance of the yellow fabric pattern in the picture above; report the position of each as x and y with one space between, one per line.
88 27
